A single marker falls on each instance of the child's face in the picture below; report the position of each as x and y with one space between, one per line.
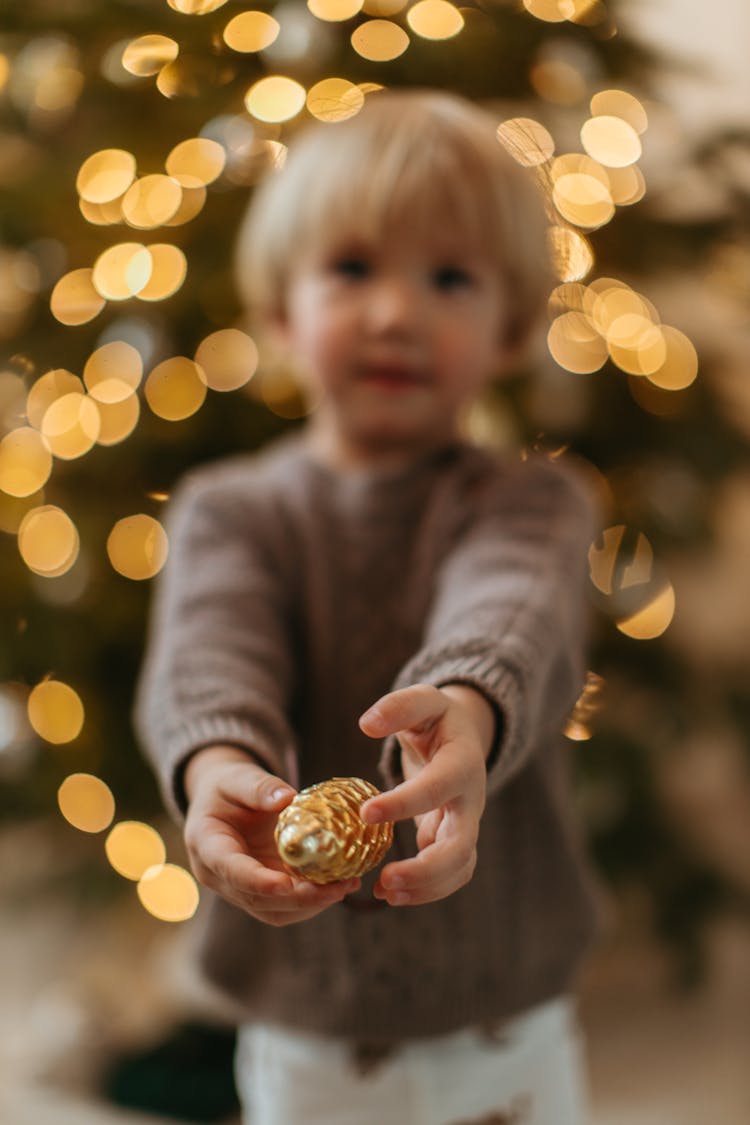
398 335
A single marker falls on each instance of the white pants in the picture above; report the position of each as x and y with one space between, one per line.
531 1074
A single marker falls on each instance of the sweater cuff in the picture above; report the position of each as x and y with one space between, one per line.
497 682
188 739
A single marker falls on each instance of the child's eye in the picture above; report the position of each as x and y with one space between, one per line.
353 266
451 277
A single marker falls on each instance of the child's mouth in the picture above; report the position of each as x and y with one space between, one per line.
392 377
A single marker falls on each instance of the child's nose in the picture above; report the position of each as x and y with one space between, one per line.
395 304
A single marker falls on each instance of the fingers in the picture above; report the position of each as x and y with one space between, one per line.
254 787
411 708
451 774
437 871
271 896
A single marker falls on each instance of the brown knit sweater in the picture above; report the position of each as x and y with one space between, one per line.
294 596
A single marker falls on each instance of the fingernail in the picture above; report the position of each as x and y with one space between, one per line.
370 815
395 883
370 714
277 795
401 899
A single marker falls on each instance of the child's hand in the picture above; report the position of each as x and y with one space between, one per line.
445 734
229 834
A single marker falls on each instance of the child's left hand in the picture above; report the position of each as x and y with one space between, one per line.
445 734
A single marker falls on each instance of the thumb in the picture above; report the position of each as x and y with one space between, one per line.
415 708
270 793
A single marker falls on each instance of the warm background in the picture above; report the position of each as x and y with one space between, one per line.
123 360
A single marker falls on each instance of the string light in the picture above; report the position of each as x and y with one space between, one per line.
122 271
275 98
74 299
25 462
334 10
379 40
113 372
132 847
168 272
196 162
48 541
334 99
528 142
228 359
251 31
435 19
106 175
86 802
147 54
137 547
175 389
169 892
55 712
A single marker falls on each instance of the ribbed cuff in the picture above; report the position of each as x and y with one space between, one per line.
213 731
496 681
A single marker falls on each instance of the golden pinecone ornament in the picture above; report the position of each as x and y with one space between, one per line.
321 836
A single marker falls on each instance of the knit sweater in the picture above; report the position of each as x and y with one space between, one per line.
294 596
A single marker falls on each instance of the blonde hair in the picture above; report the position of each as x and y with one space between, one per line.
416 155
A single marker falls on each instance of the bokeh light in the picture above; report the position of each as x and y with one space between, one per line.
169 892
168 272
619 103
71 425
275 98
74 300
228 359
334 10
575 344
435 19
611 141
334 99
118 420
190 206
86 802
113 372
572 256
680 366
583 200
379 40
196 7
106 175
123 270
528 142
627 185
151 201
48 388
137 547
147 54
195 162
175 389
251 31
48 541
653 620
611 570
384 8
55 711
132 847
25 462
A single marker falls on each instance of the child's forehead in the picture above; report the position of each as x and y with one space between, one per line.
433 237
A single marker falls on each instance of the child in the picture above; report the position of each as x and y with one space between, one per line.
374 578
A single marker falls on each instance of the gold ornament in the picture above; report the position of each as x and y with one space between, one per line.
321 836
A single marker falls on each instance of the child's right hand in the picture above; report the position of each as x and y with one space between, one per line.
229 835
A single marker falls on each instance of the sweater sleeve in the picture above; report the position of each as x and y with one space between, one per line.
509 615
217 667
